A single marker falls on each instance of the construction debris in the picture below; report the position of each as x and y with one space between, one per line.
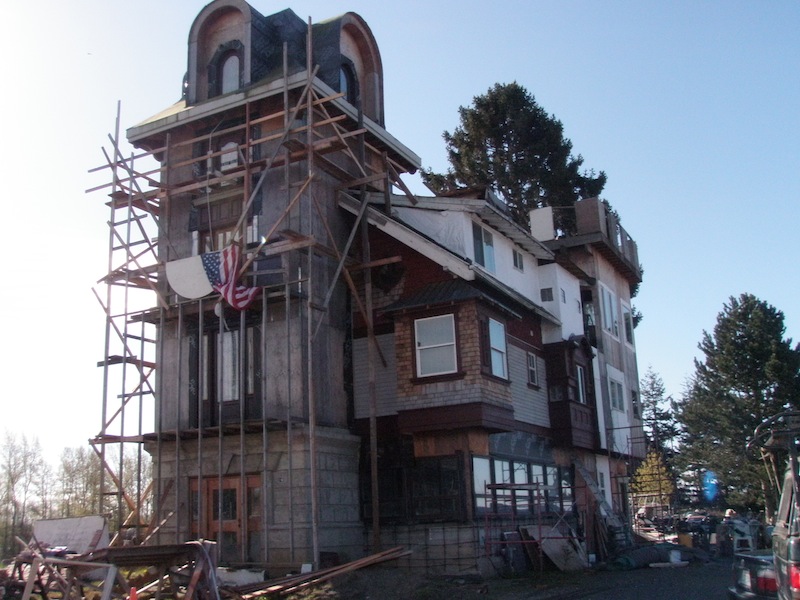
186 570
294 583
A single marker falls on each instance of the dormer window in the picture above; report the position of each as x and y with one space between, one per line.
225 72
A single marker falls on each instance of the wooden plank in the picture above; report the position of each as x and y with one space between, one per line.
108 583
563 549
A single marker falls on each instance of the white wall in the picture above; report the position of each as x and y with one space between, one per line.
566 307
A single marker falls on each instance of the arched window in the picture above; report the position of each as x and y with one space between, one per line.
230 73
226 69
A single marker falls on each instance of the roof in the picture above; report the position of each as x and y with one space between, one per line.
459 266
488 210
181 114
447 292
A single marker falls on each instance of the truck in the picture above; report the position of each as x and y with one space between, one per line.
753 576
775 440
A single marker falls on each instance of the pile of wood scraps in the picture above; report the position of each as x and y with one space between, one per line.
293 583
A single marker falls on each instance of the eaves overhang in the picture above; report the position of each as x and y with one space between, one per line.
630 270
456 265
181 114
513 231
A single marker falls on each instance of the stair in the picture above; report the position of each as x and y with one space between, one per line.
616 525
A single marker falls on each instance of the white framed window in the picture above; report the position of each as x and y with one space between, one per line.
627 324
518 264
580 376
484 247
563 296
497 346
616 394
533 369
610 312
435 345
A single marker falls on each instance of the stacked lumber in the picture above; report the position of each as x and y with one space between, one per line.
294 583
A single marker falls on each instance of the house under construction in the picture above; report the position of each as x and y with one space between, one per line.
320 363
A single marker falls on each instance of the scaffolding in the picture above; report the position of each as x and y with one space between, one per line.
299 132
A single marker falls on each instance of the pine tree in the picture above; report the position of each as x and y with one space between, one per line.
658 412
507 142
748 372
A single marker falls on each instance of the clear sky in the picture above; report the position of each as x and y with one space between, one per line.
692 108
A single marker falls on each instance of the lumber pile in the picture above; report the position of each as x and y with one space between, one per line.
293 583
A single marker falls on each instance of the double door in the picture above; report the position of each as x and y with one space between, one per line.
229 510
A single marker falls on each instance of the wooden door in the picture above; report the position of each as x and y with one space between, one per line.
229 510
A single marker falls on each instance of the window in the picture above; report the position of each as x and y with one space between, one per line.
547 294
435 345
436 488
225 374
554 494
627 322
497 344
518 264
503 497
610 319
580 375
225 69
635 403
615 392
533 370
481 477
229 80
215 223
563 296
483 247
493 347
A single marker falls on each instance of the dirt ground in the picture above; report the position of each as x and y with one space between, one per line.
698 580
386 583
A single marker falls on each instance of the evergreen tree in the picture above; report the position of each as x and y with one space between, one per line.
507 142
748 372
653 481
658 412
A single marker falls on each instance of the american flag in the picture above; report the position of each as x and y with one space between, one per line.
222 269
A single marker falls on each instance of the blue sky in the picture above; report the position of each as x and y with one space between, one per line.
690 107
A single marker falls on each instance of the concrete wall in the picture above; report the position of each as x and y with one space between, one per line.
286 489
